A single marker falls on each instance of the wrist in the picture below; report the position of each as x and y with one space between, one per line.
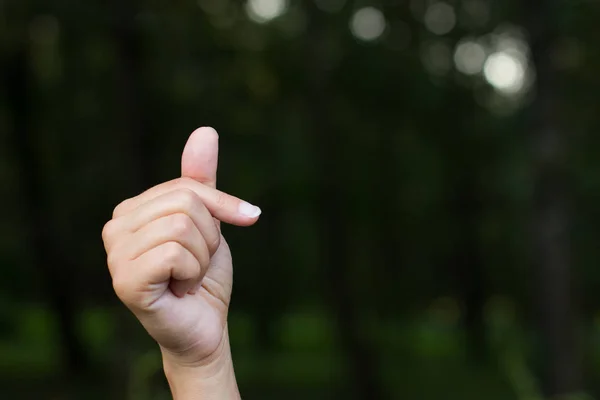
212 378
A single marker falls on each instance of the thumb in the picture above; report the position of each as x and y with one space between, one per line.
200 156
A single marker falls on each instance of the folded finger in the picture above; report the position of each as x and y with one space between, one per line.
173 228
147 278
223 206
180 201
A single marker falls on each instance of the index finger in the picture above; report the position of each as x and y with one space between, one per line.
223 206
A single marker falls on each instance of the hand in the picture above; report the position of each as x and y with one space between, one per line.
170 264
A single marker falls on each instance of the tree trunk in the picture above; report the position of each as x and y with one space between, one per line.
55 265
467 262
466 160
336 222
130 68
551 220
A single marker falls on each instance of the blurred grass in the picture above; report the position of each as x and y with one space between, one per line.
34 351
306 363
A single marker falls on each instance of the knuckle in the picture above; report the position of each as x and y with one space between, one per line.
184 182
120 209
108 230
181 225
111 260
172 254
188 199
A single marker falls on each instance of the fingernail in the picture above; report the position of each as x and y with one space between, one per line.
248 210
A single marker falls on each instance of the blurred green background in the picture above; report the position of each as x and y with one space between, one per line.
428 173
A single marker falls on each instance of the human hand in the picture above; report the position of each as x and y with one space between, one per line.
171 266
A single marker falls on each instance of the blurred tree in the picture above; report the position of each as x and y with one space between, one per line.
335 211
55 263
551 208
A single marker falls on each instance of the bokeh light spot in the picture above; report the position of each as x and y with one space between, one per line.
469 57
440 18
368 24
266 10
505 72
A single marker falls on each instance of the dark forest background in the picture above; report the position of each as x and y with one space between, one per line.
428 173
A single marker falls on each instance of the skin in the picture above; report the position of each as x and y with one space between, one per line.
172 268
